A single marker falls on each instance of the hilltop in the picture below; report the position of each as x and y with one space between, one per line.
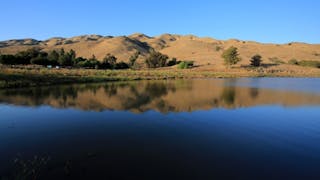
205 51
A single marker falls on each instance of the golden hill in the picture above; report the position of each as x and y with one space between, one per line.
204 51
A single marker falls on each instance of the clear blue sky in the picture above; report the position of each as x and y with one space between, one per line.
277 21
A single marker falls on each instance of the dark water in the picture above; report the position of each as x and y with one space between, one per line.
266 128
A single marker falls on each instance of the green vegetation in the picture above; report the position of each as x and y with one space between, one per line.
218 48
306 63
256 60
231 56
65 59
185 65
293 62
156 60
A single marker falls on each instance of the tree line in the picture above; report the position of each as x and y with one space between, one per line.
69 59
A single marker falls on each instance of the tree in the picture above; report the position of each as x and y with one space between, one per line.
121 65
109 61
24 57
72 55
156 59
53 57
256 60
7 59
40 60
66 59
133 59
231 56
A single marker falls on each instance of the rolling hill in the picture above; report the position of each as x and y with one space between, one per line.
204 51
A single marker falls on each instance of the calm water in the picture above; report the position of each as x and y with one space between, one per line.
250 128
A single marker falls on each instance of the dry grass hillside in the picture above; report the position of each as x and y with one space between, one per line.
204 51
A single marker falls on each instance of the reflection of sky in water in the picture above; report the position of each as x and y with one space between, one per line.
265 139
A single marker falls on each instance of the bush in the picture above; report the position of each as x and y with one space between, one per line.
7 59
231 56
121 65
172 62
293 62
218 48
185 64
256 60
89 64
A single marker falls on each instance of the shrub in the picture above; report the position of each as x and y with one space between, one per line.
256 60
185 64
293 62
91 63
218 48
231 56
121 65
172 62
7 59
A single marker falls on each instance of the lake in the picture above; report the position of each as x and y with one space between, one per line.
246 128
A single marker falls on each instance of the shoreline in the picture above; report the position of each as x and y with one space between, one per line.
31 77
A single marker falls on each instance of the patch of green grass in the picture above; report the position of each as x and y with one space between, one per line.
185 65
306 63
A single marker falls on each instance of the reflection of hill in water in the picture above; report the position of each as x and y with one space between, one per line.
163 96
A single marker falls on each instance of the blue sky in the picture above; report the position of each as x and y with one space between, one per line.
276 21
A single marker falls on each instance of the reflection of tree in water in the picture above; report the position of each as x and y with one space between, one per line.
254 92
228 95
110 89
37 95
152 90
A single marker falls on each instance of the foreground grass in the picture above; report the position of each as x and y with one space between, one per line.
25 77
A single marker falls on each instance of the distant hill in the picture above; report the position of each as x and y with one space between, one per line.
203 50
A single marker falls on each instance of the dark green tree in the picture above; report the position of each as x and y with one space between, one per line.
72 55
109 62
256 60
121 65
156 59
40 60
24 57
7 59
65 59
53 57
231 56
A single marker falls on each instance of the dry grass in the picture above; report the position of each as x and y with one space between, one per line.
27 76
201 50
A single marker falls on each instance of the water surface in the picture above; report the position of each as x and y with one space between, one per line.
248 128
